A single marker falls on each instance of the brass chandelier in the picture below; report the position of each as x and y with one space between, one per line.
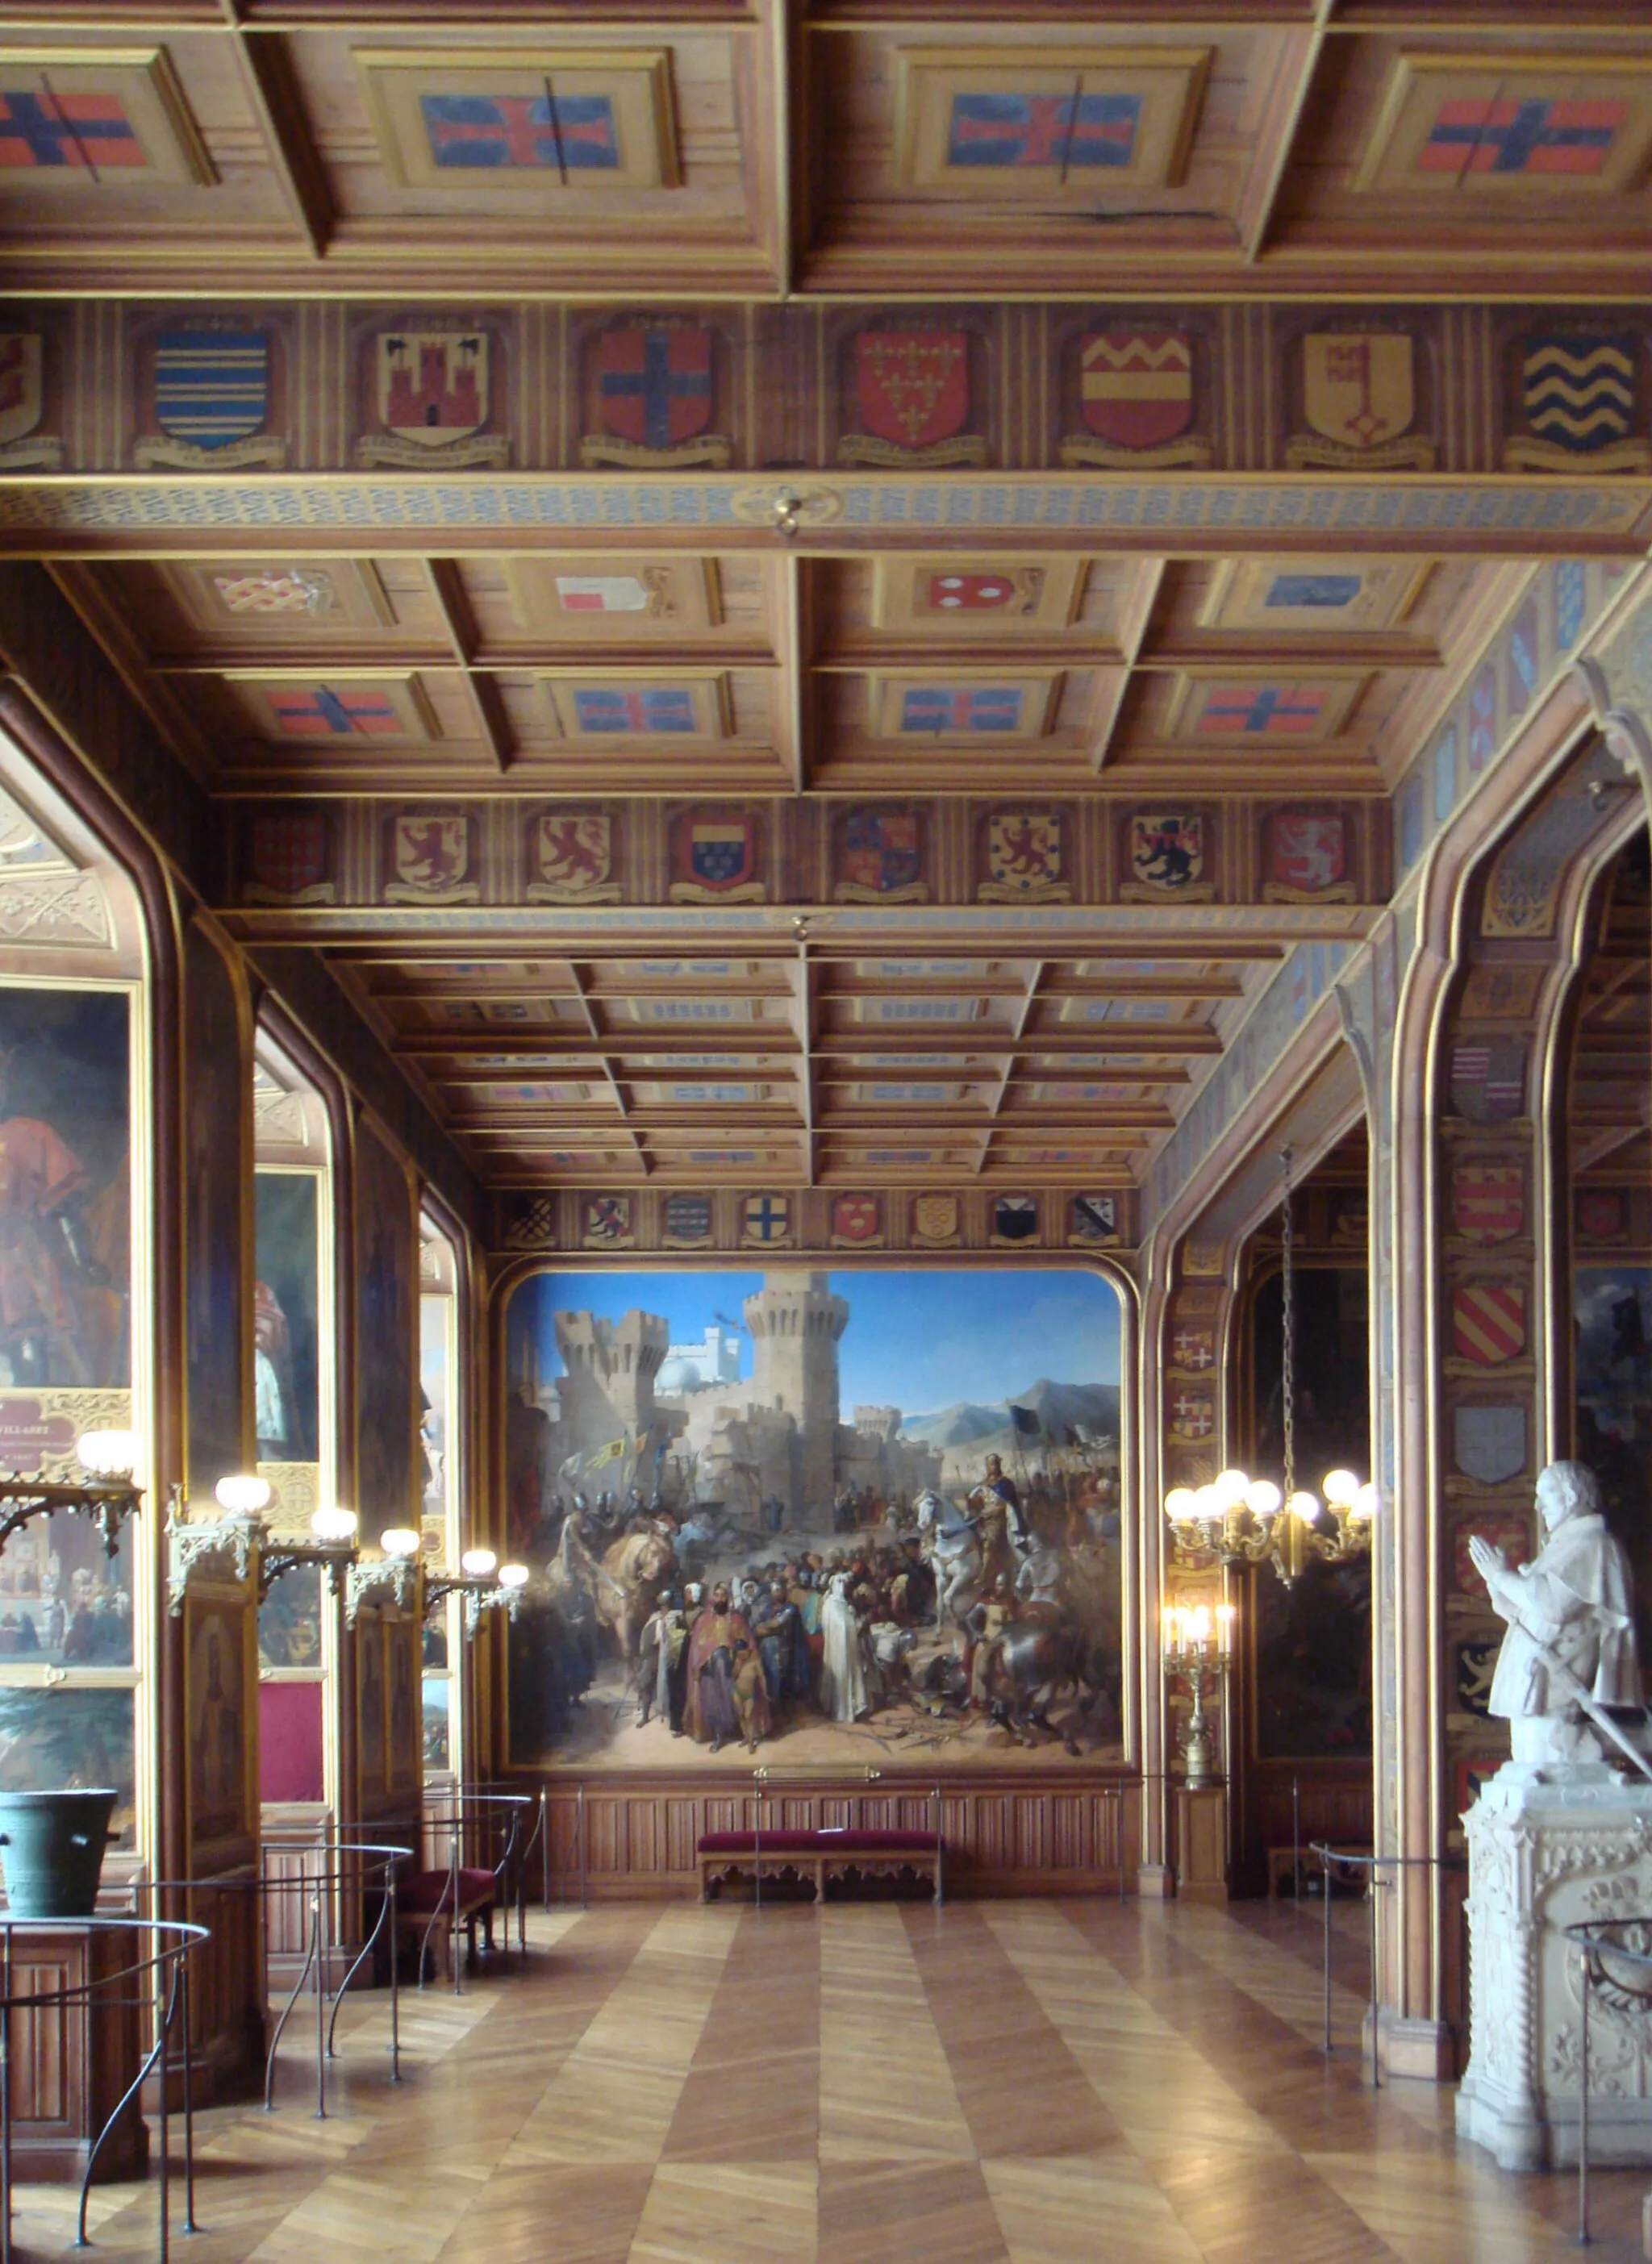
1238 1519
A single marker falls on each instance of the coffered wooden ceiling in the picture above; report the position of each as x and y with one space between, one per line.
715 147
813 595
763 675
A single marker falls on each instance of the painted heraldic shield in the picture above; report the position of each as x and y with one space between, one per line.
1016 1218
1358 397
766 1219
211 397
880 860
934 1218
1487 1080
1578 400
608 1221
1023 859
911 392
717 862
656 390
23 400
573 861
1136 398
1489 1202
432 392
1166 848
858 1220
432 857
1307 857
1488 1322
1093 1219
289 859
687 1221
1490 1443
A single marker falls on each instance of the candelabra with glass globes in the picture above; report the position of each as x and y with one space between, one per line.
1238 1519
481 1580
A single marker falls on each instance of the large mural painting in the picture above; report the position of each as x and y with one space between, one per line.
868 1518
66 1608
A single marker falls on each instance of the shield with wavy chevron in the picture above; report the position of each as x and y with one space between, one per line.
1136 387
1579 396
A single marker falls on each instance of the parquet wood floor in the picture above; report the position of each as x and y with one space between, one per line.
878 2083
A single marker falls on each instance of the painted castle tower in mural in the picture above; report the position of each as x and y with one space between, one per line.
631 1408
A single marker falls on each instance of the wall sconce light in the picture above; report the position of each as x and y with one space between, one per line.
483 1582
334 1548
107 1494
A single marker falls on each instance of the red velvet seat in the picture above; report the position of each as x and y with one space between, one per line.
427 1892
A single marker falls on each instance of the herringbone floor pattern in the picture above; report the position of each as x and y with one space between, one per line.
1003 2083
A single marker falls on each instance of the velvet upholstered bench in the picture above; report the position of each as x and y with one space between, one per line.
818 1855
431 1904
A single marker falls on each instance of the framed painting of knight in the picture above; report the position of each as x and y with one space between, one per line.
867 1517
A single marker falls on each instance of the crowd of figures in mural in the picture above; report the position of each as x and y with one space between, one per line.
722 1562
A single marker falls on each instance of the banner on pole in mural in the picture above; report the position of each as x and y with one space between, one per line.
761 1504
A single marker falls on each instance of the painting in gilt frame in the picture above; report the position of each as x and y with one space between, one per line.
217 1198
544 121
868 1516
387 1338
286 1318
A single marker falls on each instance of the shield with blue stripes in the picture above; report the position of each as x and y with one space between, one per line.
212 386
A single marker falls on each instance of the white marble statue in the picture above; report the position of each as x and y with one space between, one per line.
1571 1626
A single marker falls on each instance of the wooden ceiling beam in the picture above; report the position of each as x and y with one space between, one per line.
277 106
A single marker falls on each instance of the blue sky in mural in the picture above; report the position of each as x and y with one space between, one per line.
917 1340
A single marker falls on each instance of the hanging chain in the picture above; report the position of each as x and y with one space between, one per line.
1288 1367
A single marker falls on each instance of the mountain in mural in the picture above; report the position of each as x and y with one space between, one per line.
970 1430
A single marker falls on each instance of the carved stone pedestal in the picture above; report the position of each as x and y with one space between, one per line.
1544 1855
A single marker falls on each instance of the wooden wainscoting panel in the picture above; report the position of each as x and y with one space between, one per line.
1066 1833
71 2063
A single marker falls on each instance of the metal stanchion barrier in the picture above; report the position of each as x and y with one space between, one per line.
161 1950
320 1885
1349 1862
1628 1943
